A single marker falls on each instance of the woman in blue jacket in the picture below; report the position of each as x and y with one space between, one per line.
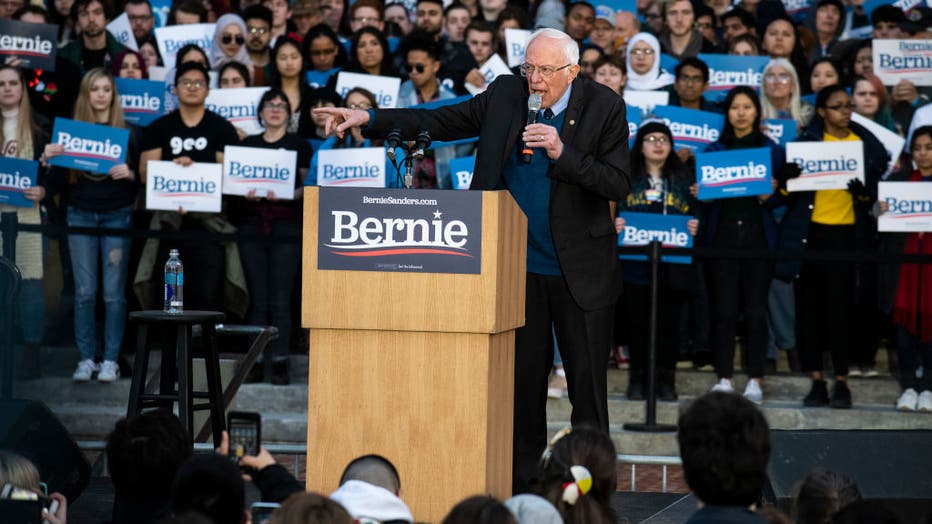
837 221
741 223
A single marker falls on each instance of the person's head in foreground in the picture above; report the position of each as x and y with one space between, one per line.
310 508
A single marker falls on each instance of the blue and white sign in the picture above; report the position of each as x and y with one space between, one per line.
33 44
905 5
668 63
727 71
646 101
237 105
891 141
610 8
643 228
825 165
123 31
896 60
356 167
692 129
461 170
731 174
515 43
263 170
797 9
491 69
16 176
633 115
385 88
781 131
89 147
160 9
172 38
318 79
909 206
142 100
170 186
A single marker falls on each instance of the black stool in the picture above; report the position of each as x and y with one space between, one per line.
180 359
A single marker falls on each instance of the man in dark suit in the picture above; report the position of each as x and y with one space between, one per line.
579 165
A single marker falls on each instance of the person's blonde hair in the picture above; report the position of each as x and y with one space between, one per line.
19 471
24 123
82 107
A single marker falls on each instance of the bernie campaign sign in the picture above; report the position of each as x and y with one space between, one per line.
909 206
263 170
692 129
422 231
89 147
385 88
896 60
356 167
643 228
121 29
141 100
727 72
730 174
515 42
238 106
634 118
781 131
172 38
461 170
16 176
33 44
825 165
798 9
171 186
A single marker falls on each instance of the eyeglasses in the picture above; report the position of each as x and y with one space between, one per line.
365 106
782 78
366 19
227 39
645 52
192 84
420 68
544 71
276 106
323 52
657 139
842 108
253 30
690 80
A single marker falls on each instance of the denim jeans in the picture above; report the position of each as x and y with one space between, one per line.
86 250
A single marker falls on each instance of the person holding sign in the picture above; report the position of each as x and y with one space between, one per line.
22 136
96 200
579 164
906 289
781 90
659 184
190 135
741 223
834 221
271 266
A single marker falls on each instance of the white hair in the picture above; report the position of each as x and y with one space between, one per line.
570 47
795 105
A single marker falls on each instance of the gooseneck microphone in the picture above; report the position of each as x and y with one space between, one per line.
421 143
394 140
533 106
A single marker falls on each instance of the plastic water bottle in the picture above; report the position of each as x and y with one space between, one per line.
174 283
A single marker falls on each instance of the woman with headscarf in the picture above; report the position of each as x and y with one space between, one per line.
643 59
229 44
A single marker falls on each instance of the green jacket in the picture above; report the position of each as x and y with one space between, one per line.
72 51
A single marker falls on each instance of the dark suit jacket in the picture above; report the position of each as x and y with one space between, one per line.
592 170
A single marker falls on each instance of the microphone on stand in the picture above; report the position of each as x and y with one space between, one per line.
394 140
533 106
421 143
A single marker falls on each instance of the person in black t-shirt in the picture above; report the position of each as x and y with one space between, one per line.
271 265
190 134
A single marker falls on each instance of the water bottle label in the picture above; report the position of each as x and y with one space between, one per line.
180 279
169 279
169 292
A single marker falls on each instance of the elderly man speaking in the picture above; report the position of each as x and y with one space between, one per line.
579 164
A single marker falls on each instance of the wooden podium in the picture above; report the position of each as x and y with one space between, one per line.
417 367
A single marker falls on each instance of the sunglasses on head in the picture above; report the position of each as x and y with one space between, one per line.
227 39
416 67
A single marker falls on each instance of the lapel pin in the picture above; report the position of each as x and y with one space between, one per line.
572 122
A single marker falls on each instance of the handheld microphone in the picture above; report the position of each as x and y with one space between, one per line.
533 106
394 140
421 143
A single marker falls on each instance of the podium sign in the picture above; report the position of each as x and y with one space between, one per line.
363 229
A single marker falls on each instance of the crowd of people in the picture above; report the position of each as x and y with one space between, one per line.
819 74
724 444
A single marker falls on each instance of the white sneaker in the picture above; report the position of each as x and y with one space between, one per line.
909 399
109 371
855 371
753 392
86 368
724 385
925 402
870 372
